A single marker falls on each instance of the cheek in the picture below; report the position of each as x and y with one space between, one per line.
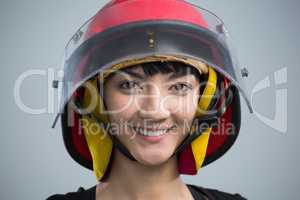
119 107
116 102
183 107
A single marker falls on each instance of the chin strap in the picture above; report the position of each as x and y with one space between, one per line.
106 126
118 144
203 123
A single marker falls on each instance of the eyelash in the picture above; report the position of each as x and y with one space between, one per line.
187 87
125 85
121 86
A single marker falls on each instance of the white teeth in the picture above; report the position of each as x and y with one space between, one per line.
148 132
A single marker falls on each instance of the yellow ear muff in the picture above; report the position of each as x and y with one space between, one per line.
199 145
97 138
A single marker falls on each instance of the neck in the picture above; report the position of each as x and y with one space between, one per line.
136 181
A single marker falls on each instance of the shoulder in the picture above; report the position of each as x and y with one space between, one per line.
214 194
81 194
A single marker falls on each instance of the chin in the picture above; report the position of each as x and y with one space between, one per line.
153 158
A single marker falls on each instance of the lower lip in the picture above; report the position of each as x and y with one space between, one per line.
151 139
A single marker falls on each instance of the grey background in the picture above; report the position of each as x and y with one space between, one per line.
263 164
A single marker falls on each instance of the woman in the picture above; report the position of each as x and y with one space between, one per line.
150 92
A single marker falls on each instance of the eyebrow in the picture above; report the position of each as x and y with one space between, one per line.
177 75
136 75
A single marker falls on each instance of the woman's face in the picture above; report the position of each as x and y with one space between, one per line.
151 115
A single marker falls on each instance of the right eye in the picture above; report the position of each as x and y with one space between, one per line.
130 85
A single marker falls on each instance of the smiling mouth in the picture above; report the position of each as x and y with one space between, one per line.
151 132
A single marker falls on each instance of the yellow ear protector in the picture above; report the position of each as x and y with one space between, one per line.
199 138
100 143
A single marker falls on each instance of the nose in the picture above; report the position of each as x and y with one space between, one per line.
152 106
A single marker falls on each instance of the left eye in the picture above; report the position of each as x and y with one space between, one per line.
181 87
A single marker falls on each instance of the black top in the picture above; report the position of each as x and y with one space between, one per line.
199 193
